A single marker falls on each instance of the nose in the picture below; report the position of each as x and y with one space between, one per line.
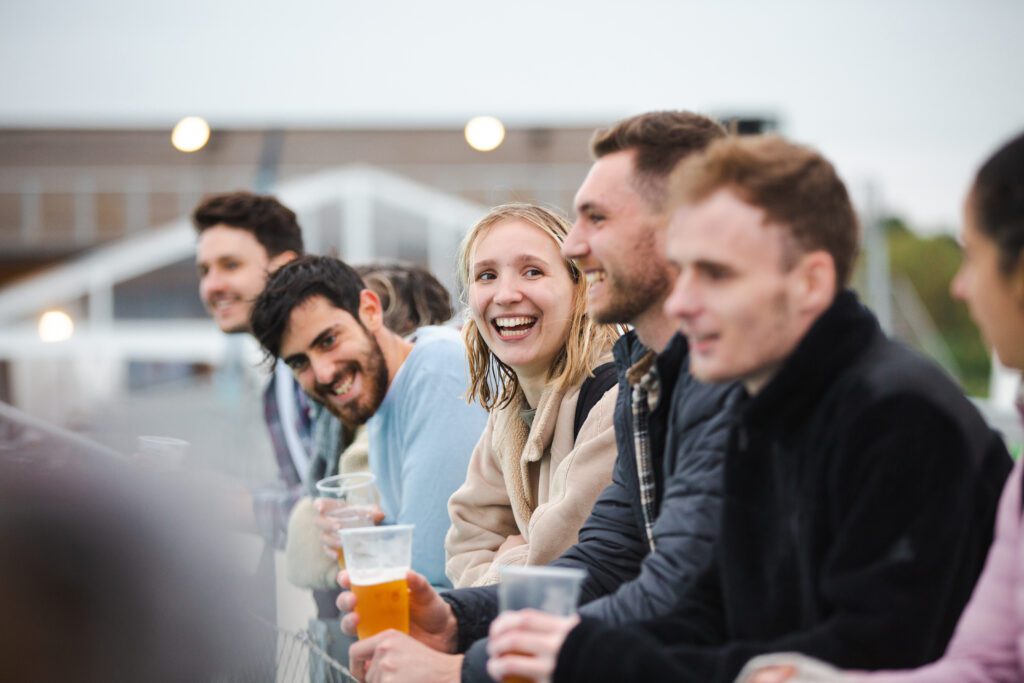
210 283
575 244
682 301
958 285
508 291
323 369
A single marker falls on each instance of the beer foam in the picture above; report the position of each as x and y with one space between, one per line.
371 577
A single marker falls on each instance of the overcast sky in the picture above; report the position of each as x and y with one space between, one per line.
910 94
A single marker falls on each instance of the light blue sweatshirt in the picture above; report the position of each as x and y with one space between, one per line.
421 439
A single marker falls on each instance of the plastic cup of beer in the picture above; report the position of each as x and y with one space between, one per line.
353 500
554 590
378 558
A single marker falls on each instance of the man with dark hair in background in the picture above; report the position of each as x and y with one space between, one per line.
652 530
242 238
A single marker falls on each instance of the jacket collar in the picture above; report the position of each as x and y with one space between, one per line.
517 446
628 351
835 340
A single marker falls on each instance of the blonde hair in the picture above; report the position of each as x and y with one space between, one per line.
495 384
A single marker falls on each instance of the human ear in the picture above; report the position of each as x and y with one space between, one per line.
815 281
371 313
280 260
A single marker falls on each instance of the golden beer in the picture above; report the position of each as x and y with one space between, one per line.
381 606
517 679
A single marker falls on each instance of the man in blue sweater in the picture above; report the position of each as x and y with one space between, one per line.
317 316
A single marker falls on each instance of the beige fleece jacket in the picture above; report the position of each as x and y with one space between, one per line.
534 483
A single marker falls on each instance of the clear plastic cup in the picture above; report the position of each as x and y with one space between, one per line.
352 503
549 589
378 558
554 590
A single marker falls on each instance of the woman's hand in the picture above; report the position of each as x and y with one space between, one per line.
789 667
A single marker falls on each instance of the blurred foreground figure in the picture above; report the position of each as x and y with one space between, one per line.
989 641
104 579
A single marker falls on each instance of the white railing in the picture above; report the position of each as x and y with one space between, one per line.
355 191
73 207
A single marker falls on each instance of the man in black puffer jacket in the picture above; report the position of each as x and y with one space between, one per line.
633 573
652 531
860 484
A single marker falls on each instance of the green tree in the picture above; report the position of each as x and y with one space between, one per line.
930 264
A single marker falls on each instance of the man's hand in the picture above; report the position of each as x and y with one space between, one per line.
430 618
394 656
526 643
329 521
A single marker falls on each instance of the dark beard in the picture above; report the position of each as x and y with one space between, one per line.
374 370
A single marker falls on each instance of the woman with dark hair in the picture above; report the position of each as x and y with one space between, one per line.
988 644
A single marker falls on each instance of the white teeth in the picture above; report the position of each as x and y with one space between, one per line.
513 322
222 302
595 276
343 388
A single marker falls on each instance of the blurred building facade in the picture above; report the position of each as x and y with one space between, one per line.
95 223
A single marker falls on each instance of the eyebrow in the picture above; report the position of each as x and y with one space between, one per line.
216 259
711 264
521 259
320 337
313 344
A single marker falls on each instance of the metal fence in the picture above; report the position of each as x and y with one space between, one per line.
291 657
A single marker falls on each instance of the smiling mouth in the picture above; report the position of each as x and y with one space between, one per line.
595 276
514 327
222 303
701 342
342 387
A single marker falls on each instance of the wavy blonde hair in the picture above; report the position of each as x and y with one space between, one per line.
495 384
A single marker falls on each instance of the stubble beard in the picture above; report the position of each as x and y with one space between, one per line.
633 295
